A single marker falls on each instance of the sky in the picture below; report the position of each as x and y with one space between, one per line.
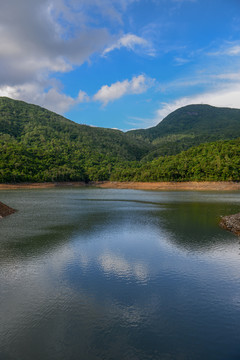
122 64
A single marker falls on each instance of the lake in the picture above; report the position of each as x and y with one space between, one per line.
100 274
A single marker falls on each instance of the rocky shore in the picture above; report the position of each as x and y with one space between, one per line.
231 223
5 210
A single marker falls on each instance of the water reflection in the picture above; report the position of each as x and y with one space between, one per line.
45 219
98 274
194 226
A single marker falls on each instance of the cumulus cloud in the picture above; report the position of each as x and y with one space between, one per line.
131 42
52 99
33 42
42 37
137 85
118 265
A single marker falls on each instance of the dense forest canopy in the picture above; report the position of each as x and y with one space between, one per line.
196 142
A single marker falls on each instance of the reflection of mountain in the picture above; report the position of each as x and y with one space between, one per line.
96 276
194 226
47 219
50 237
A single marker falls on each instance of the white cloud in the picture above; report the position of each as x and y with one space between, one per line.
202 79
42 37
228 76
82 97
229 49
109 10
131 42
33 41
181 61
115 91
121 267
55 100
234 50
52 99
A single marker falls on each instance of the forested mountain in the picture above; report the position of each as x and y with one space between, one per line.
217 161
31 124
39 145
189 126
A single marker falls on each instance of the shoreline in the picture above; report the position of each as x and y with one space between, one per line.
231 223
164 186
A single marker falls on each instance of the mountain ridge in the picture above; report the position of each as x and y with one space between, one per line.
187 115
40 145
189 126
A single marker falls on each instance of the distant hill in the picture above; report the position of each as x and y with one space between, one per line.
39 145
189 126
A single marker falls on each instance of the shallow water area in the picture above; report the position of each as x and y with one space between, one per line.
118 274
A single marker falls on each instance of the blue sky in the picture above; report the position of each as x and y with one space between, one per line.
120 63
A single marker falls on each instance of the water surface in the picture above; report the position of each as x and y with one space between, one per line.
118 274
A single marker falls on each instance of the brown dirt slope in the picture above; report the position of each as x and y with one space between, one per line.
164 186
5 210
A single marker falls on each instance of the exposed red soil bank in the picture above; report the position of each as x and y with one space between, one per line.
5 210
45 185
190 185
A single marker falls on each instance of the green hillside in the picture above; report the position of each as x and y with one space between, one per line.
31 124
38 145
217 161
189 126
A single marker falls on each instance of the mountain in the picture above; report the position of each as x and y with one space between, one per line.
32 124
188 126
39 145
